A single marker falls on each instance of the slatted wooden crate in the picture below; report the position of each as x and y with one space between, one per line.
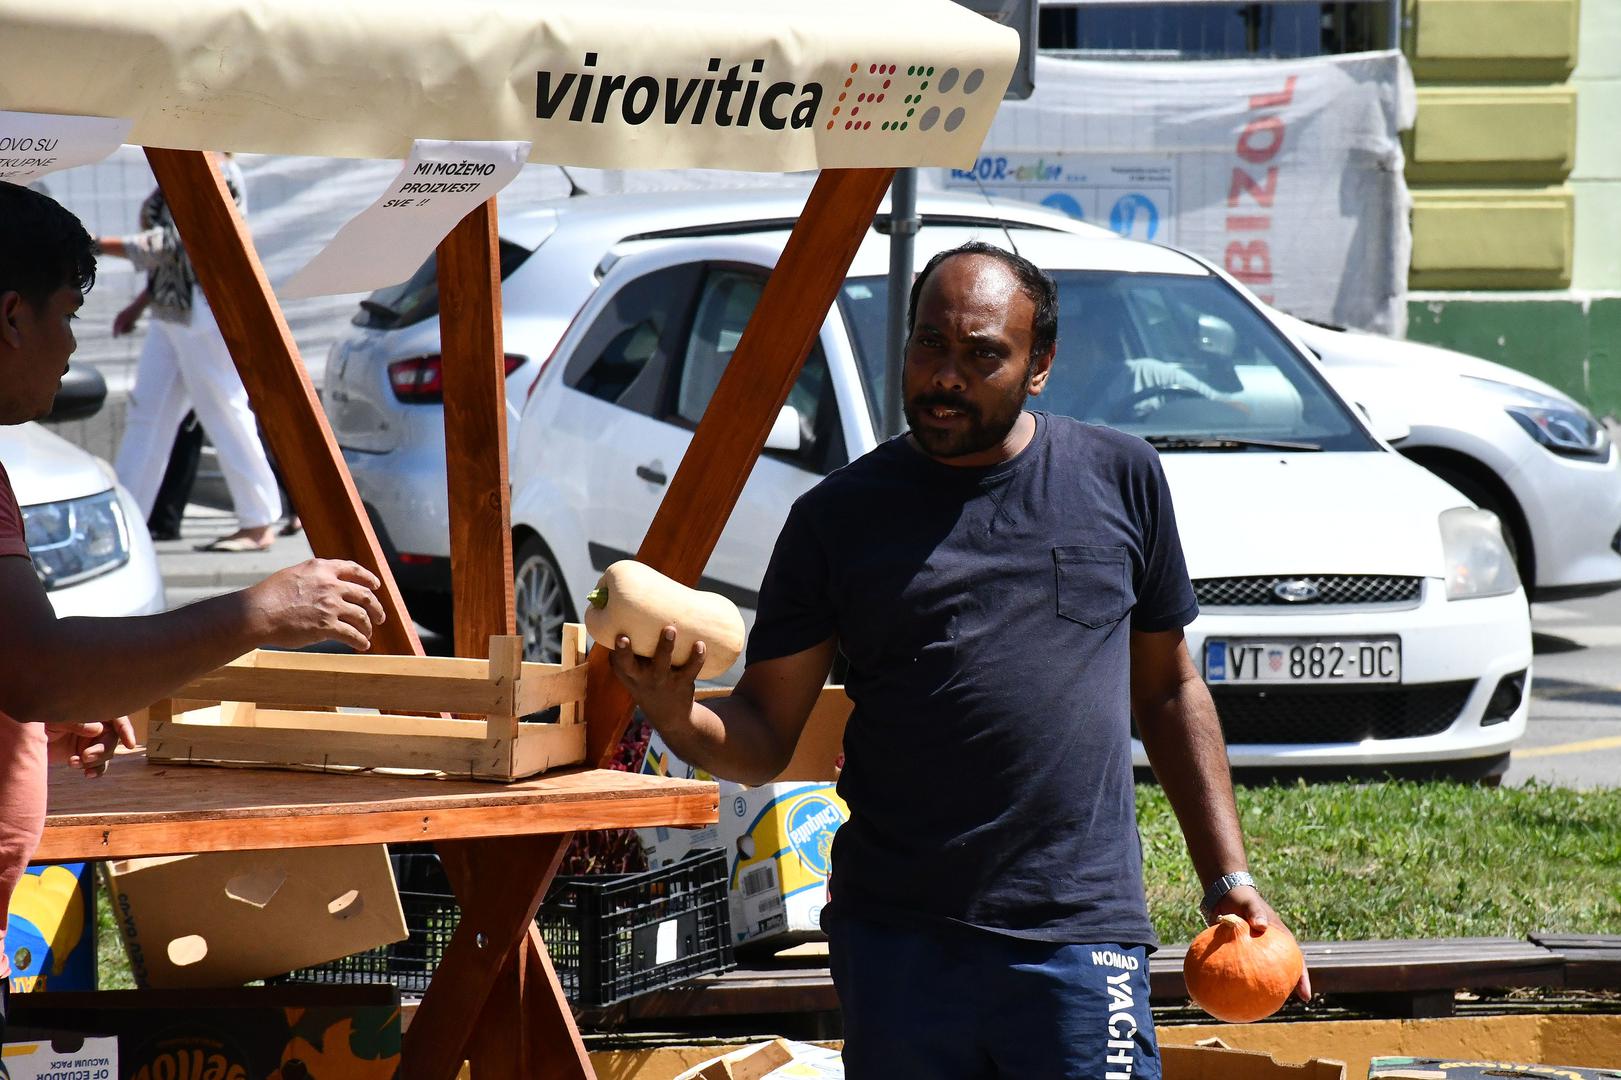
279 710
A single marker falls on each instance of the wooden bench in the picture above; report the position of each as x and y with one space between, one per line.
1406 979
1592 961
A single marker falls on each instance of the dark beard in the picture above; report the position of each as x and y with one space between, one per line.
981 433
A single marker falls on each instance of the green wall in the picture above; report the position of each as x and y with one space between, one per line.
1572 342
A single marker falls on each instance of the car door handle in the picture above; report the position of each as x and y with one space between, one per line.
651 474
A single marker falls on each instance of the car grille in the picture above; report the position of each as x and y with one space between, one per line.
1331 589
1317 715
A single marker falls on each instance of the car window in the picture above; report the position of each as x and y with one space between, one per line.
416 299
623 358
1159 355
725 302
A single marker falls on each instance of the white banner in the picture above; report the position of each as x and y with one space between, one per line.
1287 173
33 144
440 183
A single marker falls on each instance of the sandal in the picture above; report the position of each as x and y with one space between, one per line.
234 544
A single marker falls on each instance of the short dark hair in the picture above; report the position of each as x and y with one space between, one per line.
43 247
1034 282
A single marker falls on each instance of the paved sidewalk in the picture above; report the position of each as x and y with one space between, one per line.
189 574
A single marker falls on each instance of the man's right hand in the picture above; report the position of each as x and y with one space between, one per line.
317 600
661 688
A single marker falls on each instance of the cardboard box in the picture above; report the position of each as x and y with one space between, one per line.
778 839
1181 1063
259 1033
51 930
1594 1040
1406 1068
67 1055
225 919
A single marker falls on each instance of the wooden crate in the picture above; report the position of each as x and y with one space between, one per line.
279 710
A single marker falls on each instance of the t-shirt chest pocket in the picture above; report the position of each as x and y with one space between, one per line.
1093 587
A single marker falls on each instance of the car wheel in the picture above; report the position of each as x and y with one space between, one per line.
540 602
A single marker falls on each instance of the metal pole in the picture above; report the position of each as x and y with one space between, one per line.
903 226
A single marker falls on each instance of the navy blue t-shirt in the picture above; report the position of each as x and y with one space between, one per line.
983 612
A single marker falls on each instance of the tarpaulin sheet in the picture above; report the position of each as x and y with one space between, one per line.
1286 173
775 85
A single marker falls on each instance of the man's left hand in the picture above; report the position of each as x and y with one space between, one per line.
90 745
1247 903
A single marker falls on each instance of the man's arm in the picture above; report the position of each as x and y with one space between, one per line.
1180 731
87 669
748 736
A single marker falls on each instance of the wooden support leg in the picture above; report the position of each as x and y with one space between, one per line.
469 1004
475 379
753 390
279 387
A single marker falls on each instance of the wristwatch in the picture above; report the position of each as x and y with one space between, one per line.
1220 888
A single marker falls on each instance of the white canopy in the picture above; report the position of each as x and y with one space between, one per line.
729 84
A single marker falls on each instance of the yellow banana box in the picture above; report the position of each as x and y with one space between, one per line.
779 843
51 929
66 1056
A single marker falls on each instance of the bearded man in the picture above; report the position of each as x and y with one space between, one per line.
1009 590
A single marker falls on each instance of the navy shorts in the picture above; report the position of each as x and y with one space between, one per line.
964 1005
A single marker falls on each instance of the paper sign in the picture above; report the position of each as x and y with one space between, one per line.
385 243
33 144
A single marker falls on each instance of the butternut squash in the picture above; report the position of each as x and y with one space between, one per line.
639 602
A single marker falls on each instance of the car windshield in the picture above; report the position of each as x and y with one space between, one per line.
1179 360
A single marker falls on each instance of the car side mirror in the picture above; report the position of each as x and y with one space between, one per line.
81 395
786 433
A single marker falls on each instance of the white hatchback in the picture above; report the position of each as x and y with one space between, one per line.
87 538
1355 610
1515 445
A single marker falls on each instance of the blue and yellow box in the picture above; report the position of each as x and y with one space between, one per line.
779 841
51 931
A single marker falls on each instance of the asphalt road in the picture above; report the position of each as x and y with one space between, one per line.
1574 736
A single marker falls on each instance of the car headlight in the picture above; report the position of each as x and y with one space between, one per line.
76 539
1558 423
1477 559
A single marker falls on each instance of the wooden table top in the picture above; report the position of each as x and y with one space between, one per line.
139 809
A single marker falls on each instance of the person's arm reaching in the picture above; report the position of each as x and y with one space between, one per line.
748 736
124 322
1181 733
76 670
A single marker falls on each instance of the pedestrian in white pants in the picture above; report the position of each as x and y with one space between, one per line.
185 365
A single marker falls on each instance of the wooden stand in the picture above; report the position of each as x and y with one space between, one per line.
223 718
495 999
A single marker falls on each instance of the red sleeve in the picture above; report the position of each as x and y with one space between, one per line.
13 541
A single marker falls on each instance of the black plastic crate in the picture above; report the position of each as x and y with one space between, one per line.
614 936
611 937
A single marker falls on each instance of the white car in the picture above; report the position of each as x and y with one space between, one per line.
1355 610
383 393
1515 445
88 540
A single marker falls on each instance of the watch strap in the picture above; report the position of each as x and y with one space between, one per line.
1220 888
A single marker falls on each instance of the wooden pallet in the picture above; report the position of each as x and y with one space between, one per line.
278 710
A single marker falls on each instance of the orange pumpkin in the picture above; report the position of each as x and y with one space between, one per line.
1238 976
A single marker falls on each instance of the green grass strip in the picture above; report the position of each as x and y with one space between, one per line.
1345 862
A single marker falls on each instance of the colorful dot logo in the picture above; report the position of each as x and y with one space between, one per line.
922 99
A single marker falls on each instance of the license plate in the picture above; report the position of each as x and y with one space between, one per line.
1303 661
